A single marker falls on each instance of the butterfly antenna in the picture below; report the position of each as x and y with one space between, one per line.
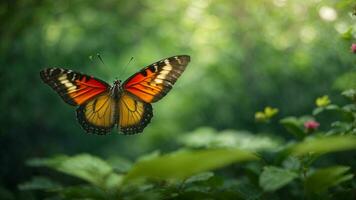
124 69
98 55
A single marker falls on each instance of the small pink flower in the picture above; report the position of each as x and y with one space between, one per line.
311 125
353 48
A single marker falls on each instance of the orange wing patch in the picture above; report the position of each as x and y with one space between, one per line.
155 81
98 115
134 115
73 87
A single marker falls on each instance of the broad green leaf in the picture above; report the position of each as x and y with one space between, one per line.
351 94
182 164
40 183
324 145
112 181
149 156
203 182
84 166
273 178
293 126
318 110
201 137
347 113
323 179
205 137
248 191
84 192
291 163
332 107
347 35
199 177
120 164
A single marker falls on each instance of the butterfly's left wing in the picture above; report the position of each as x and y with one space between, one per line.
99 114
74 88
156 80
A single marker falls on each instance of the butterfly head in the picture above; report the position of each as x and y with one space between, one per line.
115 89
117 82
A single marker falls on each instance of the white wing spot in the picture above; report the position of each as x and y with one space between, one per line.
164 72
168 67
158 81
62 78
72 88
161 76
179 61
68 84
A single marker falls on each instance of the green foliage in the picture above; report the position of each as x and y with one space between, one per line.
294 126
84 166
351 94
324 145
260 167
182 164
272 178
210 138
40 183
346 81
322 179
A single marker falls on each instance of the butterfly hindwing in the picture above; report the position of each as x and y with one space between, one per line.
74 88
156 80
98 115
134 114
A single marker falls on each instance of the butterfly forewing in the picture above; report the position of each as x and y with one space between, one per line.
134 115
155 81
74 88
98 115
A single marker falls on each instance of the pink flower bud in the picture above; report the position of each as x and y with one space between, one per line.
353 48
311 125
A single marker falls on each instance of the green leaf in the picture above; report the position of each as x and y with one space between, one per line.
84 192
351 94
318 110
293 126
332 107
323 179
324 145
347 35
201 137
149 156
205 137
200 177
291 163
248 191
273 178
119 164
40 183
84 166
182 164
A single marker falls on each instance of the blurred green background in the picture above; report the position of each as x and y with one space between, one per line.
245 55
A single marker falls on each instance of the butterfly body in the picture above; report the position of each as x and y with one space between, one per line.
126 105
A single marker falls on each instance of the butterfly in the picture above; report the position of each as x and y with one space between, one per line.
125 105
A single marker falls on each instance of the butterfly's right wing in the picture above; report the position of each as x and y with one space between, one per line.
134 114
99 114
153 82
74 88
